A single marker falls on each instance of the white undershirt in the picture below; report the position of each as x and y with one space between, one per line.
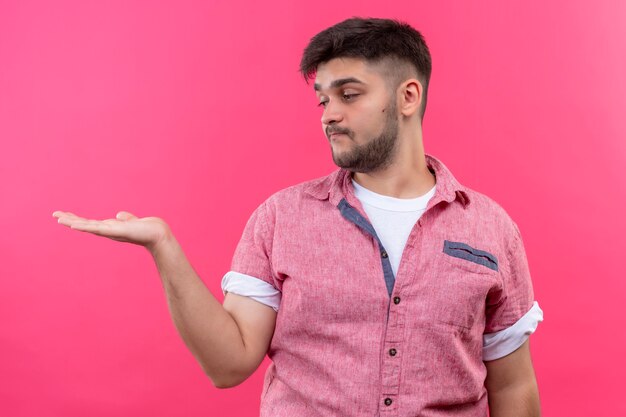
393 219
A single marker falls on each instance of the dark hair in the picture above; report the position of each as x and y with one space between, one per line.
371 39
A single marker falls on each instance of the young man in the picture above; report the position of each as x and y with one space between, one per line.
385 288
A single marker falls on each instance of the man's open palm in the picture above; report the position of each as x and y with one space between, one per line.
126 227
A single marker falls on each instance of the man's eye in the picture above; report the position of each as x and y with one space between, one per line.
346 97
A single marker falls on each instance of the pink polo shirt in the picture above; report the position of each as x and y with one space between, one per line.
352 339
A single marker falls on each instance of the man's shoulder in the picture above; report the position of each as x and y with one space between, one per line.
481 206
488 208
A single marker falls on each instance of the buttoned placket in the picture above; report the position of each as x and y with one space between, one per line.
394 331
395 326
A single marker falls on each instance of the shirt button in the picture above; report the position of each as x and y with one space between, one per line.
396 300
388 401
393 352
383 254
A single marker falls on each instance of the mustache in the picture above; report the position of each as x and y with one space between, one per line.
334 129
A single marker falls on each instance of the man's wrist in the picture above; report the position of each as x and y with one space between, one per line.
163 244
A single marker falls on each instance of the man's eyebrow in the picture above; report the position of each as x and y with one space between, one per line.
338 83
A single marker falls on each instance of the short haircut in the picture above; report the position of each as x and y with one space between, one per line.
385 41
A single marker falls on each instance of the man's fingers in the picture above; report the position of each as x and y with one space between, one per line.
82 226
63 214
97 227
116 228
66 218
66 221
69 220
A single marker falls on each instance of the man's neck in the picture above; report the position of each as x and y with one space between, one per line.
398 182
407 176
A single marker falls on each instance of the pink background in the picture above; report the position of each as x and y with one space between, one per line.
195 112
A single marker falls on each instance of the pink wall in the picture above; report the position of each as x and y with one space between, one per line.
195 112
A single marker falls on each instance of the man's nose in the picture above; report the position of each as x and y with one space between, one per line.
332 114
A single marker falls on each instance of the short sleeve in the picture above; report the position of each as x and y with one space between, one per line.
503 342
252 287
515 297
253 253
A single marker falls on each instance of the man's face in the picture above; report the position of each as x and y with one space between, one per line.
359 114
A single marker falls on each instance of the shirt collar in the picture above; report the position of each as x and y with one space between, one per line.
338 185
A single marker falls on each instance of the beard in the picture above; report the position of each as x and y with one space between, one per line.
374 155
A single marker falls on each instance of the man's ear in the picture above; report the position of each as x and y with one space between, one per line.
411 94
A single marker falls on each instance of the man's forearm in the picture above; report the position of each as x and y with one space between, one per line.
515 401
208 330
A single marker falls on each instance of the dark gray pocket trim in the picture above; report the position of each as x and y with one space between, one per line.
465 251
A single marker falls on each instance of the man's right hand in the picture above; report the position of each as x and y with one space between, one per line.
126 227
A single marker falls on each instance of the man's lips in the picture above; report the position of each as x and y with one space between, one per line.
334 135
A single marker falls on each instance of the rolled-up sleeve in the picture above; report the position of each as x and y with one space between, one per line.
512 314
251 267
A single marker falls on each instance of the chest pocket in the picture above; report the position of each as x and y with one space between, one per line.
460 284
